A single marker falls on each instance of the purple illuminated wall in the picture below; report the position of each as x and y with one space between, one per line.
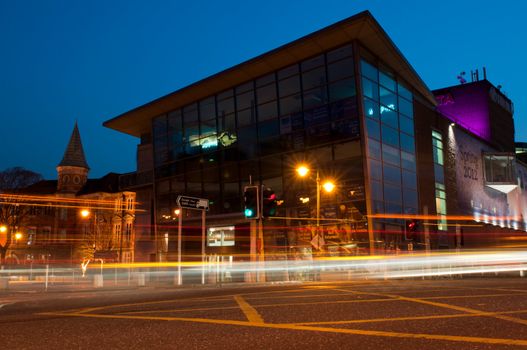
468 106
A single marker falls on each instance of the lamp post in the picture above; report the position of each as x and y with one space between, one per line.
303 170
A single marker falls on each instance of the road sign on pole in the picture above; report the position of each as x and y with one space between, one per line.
192 203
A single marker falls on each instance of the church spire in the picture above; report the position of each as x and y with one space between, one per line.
74 154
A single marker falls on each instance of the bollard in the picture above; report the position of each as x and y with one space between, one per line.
98 281
141 279
4 283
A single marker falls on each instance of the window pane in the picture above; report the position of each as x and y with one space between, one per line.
388 98
387 81
406 107
407 143
406 125
315 97
390 136
289 86
410 198
314 78
245 100
266 93
389 117
244 87
392 174
342 89
316 116
439 174
246 117
287 72
376 191
371 108
267 111
373 129
269 129
312 62
374 149
226 106
190 113
266 79
404 92
392 193
207 109
290 104
246 141
370 89
375 170
340 69
391 155
409 179
369 71
408 161
339 53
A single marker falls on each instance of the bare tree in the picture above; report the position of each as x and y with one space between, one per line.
98 235
12 211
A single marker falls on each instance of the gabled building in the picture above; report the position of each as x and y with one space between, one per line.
75 218
413 168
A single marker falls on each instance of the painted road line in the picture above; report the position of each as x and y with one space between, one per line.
448 306
252 315
411 318
292 327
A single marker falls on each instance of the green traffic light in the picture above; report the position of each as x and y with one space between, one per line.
248 213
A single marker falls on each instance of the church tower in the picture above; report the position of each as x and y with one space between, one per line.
73 169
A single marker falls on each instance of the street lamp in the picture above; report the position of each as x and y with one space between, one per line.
328 186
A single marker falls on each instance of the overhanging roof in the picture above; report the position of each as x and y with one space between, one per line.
362 27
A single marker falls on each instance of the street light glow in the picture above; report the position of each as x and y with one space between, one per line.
302 170
18 235
177 212
3 228
328 186
85 213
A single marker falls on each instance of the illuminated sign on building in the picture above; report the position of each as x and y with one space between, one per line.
220 236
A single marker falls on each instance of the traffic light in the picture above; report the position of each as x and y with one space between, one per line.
412 226
269 202
251 202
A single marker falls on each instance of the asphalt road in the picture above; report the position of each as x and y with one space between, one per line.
404 314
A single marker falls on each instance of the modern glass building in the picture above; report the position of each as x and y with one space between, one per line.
342 100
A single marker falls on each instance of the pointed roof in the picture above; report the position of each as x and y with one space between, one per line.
74 154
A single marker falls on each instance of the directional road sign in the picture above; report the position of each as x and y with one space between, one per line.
192 202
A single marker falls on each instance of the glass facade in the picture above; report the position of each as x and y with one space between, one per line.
259 130
388 115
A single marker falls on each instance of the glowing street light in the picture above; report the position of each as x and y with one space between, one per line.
85 213
302 171
18 235
3 229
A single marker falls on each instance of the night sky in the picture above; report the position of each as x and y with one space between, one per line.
89 61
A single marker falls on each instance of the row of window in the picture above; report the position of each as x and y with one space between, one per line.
388 110
312 86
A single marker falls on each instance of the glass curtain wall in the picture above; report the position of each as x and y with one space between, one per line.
211 147
388 109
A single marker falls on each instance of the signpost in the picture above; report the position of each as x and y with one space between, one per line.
192 203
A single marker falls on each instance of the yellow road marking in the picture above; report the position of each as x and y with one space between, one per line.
311 328
252 315
444 305
387 299
412 318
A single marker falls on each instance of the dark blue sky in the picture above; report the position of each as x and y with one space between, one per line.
89 61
